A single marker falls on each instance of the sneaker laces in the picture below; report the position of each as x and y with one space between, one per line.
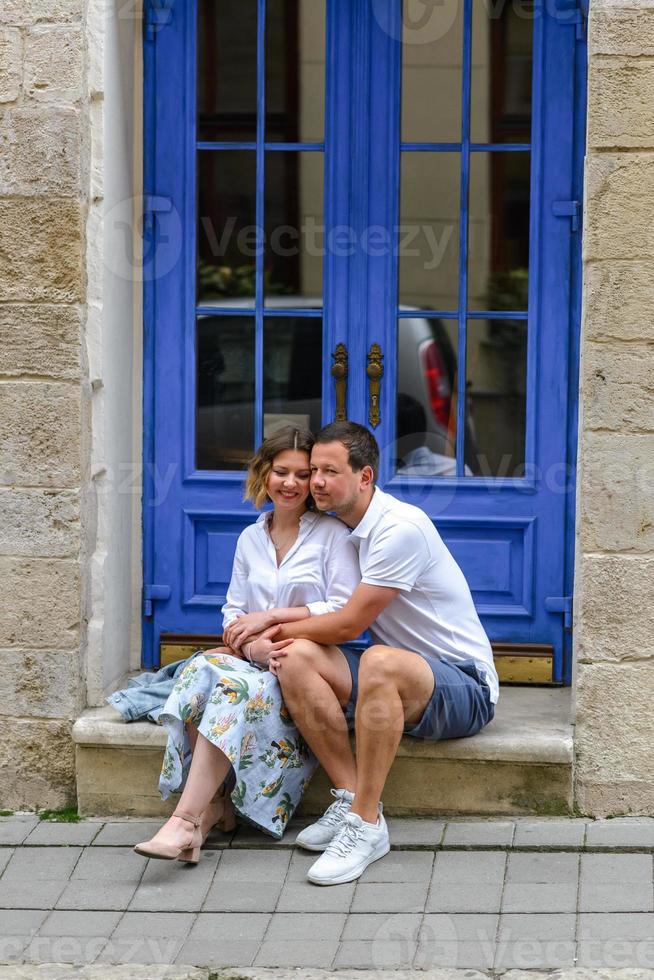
335 812
346 839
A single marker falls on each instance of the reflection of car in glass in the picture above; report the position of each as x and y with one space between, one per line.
292 373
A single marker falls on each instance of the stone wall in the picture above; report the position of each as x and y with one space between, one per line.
43 398
614 587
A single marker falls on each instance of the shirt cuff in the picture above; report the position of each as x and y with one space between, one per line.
318 608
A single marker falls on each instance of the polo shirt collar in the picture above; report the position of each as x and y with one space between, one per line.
369 520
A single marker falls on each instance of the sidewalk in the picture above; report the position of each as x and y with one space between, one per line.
489 895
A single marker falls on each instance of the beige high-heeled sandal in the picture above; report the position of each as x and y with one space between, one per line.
170 852
219 813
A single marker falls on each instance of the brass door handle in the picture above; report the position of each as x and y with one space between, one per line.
339 374
374 370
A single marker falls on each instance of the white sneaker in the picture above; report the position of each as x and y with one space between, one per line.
356 845
317 835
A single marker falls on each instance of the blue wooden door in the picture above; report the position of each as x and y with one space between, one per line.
404 186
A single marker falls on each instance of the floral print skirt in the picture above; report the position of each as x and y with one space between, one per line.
239 708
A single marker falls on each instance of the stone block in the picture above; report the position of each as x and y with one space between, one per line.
25 13
39 523
40 340
38 765
40 683
618 300
612 592
11 56
613 743
617 387
616 507
621 102
619 206
621 29
41 251
39 604
40 434
40 152
53 66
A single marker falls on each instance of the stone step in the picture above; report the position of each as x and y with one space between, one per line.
520 763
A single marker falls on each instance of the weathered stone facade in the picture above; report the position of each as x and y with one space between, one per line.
70 396
614 583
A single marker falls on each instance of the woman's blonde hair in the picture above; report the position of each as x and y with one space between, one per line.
288 437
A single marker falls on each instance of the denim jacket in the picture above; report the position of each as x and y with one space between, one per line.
146 694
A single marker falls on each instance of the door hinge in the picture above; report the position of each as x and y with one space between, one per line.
568 209
157 14
154 593
153 204
573 12
561 604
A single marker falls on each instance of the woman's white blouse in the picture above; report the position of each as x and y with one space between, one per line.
320 571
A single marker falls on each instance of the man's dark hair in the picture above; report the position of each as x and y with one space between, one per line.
361 445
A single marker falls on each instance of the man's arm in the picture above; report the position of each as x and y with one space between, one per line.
367 602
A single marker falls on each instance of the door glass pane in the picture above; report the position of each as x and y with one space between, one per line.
428 242
502 57
295 70
432 35
498 260
292 372
225 392
426 397
294 225
227 70
226 225
496 378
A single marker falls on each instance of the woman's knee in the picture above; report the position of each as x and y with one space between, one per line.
300 658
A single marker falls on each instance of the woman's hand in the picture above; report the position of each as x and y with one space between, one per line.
238 632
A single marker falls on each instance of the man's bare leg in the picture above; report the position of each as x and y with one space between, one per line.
316 684
394 688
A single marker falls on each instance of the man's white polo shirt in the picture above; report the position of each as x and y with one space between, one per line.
433 613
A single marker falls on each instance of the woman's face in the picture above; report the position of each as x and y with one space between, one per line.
288 480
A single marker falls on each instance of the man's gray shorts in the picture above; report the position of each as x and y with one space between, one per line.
460 704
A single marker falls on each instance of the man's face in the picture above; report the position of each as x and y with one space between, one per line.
334 485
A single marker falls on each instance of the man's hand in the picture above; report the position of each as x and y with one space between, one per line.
246 626
264 648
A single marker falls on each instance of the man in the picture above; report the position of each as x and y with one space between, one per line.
430 673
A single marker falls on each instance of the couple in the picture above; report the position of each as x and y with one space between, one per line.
429 674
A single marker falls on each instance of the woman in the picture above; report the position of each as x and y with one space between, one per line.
226 707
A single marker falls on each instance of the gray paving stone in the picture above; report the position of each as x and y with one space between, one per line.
141 949
57 834
361 954
390 896
207 952
548 867
608 868
299 864
20 894
303 927
465 897
300 953
175 886
483 833
14 830
242 896
110 864
5 855
302 896
257 865
539 897
535 954
32 864
11 949
635 896
621 832
618 926
402 866
237 926
462 955
408 832
64 949
550 832
175 925
126 833
465 866
75 923
96 895
458 928
21 922
382 927
617 955
542 927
